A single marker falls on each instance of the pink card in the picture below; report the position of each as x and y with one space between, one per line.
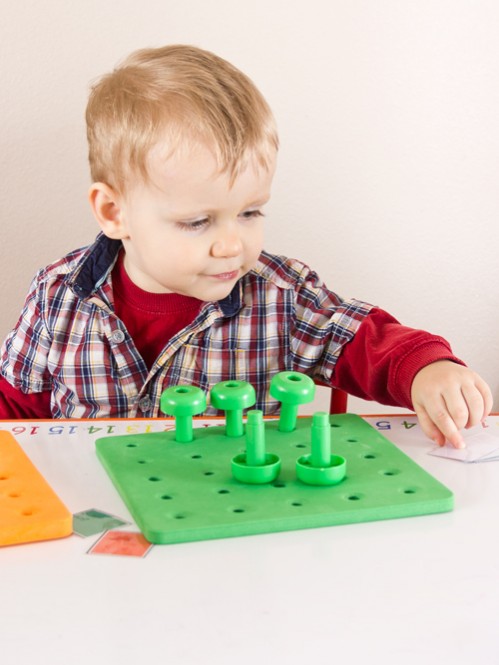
125 543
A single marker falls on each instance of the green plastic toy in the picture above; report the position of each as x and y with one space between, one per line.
183 402
182 492
255 467
291 389
183 486
320 467
232 397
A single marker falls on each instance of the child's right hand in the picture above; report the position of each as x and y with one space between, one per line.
448 397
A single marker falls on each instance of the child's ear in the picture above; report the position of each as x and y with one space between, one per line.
106 206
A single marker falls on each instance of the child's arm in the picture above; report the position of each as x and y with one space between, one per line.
393 364
447 398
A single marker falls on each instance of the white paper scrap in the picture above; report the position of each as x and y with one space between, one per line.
480 447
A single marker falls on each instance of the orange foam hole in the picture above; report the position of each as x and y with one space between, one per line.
29 508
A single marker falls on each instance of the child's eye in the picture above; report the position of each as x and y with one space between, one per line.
252 214
195 225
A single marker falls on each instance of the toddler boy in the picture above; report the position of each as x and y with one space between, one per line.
177 287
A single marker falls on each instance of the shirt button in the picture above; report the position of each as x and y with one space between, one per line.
145 404
118 336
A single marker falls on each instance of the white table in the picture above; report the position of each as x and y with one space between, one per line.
416 590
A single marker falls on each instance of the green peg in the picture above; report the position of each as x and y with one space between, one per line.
321 440
232 397
255 439
291 389
255 467
320 467
183 402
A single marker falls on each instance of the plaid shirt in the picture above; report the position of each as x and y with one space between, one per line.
68 340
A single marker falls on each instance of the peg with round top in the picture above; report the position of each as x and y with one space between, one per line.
291 389
232 397
183 402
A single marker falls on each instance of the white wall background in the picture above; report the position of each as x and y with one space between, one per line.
389 122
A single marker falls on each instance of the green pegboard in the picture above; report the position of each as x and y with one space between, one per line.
181 492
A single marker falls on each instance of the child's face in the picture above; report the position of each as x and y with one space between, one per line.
188 230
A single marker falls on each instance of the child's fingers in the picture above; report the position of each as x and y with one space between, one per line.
441 421
478 404
486 393
428 426
479 400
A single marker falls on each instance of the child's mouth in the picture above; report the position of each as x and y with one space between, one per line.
226 276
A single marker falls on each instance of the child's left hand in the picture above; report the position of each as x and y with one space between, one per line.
447 397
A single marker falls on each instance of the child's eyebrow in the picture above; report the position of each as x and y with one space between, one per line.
259 202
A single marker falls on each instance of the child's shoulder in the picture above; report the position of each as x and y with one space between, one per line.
284 272
62 266
56 277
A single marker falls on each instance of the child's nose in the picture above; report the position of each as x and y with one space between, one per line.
227 243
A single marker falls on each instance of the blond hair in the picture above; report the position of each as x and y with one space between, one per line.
182 94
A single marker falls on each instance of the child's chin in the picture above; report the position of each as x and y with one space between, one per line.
218 292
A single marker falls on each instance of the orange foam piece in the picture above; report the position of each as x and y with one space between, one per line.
29 508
